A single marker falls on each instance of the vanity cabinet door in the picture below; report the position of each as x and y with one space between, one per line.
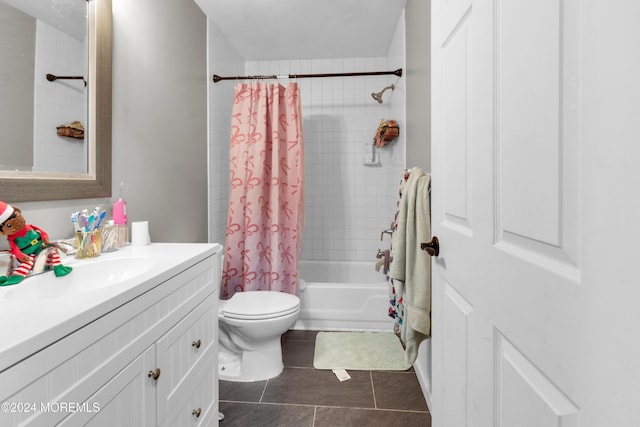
201 407
182 353
128 399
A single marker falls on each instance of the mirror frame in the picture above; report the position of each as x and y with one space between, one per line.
97 183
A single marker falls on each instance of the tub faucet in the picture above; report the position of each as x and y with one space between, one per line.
388 231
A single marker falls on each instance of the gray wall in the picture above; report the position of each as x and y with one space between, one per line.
224 60
159 123
160 115
418 63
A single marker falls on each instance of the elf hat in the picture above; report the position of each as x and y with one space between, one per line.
5 211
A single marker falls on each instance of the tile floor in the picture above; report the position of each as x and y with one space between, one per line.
306 397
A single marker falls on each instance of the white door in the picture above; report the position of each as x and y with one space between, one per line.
536 203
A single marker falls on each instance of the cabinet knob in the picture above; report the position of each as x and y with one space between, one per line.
155 374
196 412
196 344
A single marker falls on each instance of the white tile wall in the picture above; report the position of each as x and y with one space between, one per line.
223 60
59 102
348 203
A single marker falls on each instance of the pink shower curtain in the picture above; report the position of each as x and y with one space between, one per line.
266 198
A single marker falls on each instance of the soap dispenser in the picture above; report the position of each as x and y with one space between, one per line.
119 216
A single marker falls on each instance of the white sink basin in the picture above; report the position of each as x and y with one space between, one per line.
87 276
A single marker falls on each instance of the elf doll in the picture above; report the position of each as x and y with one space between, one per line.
26 241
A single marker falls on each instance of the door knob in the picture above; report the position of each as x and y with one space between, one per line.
433 247
155 374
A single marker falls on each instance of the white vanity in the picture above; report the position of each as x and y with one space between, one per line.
127 339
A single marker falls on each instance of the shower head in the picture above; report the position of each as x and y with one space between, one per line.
378 96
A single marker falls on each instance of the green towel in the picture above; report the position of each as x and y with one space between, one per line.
411 266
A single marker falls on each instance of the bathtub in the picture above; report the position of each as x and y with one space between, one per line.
343 295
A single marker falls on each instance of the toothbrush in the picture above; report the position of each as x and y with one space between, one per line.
74 221
84 219
100 219
96 212
90 222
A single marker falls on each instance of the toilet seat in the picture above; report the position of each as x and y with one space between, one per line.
256 305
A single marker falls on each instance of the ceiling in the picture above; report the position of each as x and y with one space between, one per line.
68 16
306 29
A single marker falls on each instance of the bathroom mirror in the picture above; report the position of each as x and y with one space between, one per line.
94 180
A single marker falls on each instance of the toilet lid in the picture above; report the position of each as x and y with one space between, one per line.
260 305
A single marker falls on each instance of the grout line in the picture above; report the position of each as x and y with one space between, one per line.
373 390
305 367
269 403
264 389
371 409
316 406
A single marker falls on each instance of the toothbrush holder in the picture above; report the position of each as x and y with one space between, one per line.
88 243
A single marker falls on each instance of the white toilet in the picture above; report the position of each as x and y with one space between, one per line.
250 325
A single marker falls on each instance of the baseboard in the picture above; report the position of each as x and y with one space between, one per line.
422 366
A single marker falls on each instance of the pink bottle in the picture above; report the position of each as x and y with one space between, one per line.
119 214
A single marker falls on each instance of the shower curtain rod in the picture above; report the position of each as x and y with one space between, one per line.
398 72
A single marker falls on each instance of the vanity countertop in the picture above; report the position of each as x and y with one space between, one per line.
43 309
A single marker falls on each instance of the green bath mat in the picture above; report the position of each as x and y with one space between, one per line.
359 351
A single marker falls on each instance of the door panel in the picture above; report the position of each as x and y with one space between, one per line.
456 175
536 136
453 13
527 104
526 396
455 317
